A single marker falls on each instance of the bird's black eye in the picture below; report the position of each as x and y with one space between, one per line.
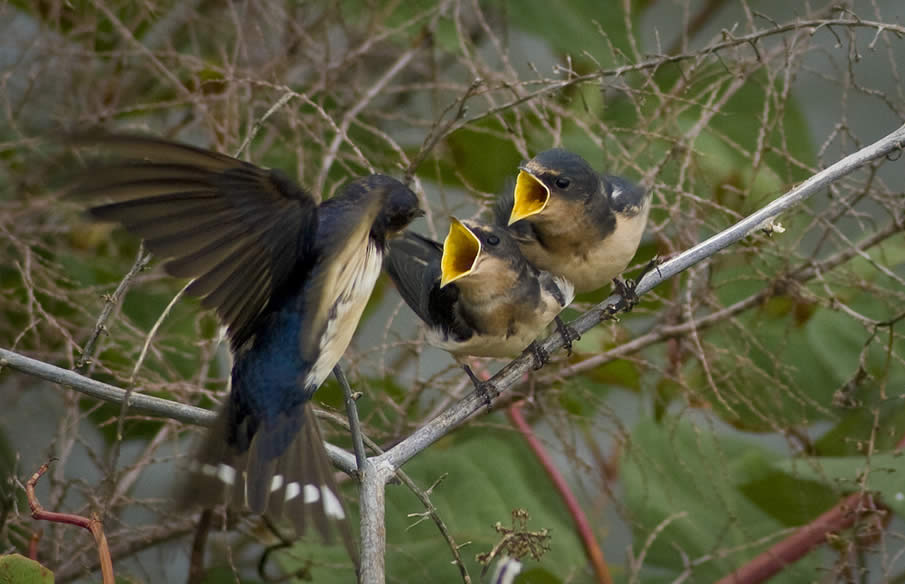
492 240
562 182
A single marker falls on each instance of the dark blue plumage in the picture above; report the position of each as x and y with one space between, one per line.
265 386
278 370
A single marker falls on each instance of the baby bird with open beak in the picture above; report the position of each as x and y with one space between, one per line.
572 221
476 293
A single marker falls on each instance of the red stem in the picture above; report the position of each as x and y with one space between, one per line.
93 525
582 526
33 545
842 516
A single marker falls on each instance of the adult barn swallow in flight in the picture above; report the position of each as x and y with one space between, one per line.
476 293
289 278
572 221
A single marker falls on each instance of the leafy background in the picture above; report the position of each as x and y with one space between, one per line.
735 403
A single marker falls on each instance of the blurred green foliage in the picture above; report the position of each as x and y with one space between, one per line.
681 479
484 474
16 569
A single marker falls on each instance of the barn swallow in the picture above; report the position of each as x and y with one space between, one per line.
572 221
476 293
290 278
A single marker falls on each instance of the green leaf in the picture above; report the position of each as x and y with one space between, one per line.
479 152
405 17
847 438
579 28
536 576
883 473
681 485
738 126
792 500
793 371
16 569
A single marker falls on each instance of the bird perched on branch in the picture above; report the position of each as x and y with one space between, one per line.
289 277
572 221
476 293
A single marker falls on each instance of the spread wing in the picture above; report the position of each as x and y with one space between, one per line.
238 229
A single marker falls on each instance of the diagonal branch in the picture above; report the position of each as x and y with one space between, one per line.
352 113
513 372
381 467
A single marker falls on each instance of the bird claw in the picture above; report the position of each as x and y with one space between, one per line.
540 355
653 264
568 334
626 289
485 389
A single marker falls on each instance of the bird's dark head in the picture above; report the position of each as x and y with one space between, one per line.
475 251
551 183
400 205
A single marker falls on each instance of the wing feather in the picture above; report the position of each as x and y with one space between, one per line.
240 230
413 263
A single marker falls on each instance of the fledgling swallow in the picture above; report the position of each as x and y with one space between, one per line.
572 221
289 278
476 293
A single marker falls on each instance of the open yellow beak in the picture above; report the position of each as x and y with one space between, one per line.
531 196
461 250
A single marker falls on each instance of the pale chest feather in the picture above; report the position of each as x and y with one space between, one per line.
356 279
592 265
508 330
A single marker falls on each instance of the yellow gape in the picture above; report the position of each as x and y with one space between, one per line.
461 251
531 196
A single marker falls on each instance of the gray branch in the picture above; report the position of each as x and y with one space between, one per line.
372 508
137 403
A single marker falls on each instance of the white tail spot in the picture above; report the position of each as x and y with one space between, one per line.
292 491
332 505
224 472
275 483
311 494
